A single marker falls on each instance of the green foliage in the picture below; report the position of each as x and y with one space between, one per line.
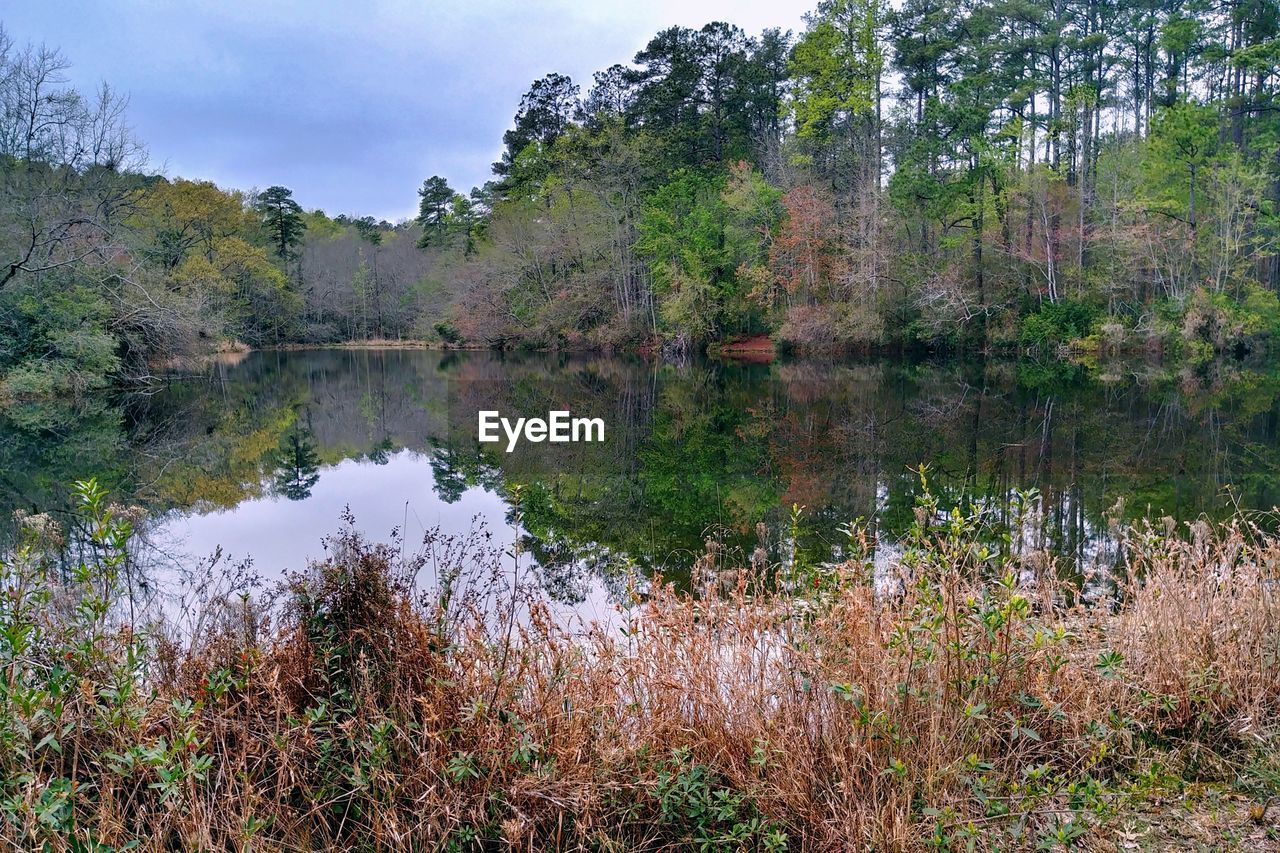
282 219
701 235
56 341
46 659
1215 324
1056 324
682 233
447 332
257 301
320 226
704 813
434 200
131 270
837 65
1183 141
544 114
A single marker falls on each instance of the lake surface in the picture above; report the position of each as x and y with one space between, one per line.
261 457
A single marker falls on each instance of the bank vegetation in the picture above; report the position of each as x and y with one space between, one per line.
950 695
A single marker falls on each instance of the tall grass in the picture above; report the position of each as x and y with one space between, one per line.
970 701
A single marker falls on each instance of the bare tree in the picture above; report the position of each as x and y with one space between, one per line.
65 161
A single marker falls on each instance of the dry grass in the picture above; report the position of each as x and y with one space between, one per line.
971 703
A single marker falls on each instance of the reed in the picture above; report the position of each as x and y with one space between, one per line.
967 699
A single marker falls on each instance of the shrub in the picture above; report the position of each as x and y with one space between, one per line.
1056 324
1215 324
51 378
447 332
831 328
954 696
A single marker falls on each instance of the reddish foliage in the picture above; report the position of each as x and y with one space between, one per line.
802 256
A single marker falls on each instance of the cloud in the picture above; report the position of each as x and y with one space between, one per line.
351 105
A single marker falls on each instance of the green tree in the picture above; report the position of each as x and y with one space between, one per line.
435 200
703 237
545 112
1185 137
281 219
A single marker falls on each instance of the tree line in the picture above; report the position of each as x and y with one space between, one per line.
955 174
108 271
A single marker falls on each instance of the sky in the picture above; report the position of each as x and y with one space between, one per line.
351 105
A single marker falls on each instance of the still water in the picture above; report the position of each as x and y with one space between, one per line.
261 457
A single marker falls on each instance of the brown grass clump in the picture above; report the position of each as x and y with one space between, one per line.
964 700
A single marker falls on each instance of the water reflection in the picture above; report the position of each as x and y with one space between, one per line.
262 457
299 464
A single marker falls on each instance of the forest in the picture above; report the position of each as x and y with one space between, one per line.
1082 177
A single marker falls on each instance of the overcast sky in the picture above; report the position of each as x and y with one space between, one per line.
351 105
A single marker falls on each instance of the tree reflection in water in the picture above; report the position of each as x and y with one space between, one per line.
299 464
692 451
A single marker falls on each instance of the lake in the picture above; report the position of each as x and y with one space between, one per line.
261 456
